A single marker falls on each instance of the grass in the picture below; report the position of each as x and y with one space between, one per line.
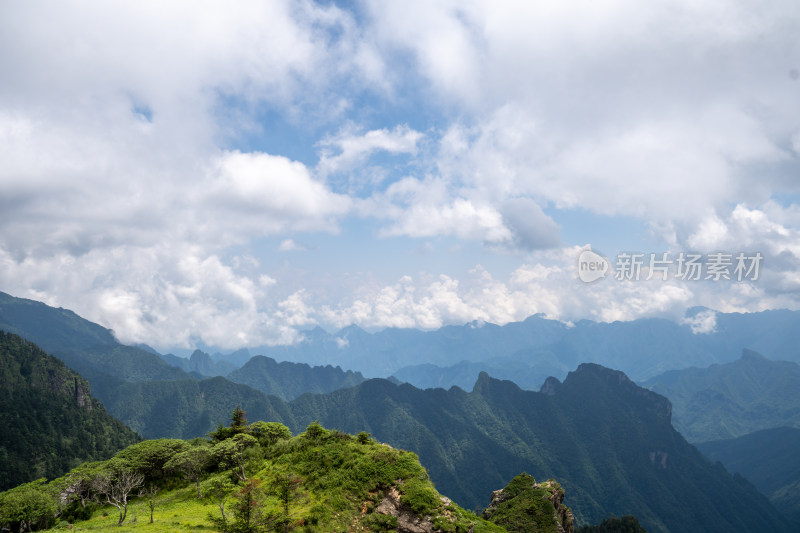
332 482
177 510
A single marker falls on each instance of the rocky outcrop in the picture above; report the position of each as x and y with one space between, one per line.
565 521
407 520
524 505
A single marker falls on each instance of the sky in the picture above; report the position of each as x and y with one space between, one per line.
231 174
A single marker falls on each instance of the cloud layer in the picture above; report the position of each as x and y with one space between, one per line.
159 162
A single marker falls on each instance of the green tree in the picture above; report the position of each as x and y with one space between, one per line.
77 484
315 431
218 490
27 507
230 453
114 485
150 456
287 486
149 494
238 420
248 508
238 425
192 463
268 433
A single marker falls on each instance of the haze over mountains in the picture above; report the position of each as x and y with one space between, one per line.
609 442
770 459
537 347
730 400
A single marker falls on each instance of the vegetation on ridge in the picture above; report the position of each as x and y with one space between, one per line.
244 478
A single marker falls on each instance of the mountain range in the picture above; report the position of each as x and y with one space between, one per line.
608 441
729 400
539 347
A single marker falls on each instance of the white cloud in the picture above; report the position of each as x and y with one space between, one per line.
139 154
290 245
346 149
274 194
164 296
613 107
702 322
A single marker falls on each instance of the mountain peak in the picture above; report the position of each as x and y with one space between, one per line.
487 383
550 386
589 375
751 355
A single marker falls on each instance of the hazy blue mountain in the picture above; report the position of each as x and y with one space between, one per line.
770 459
50 422
732 399
528 369
200 363
608 442
642 348
383 353
290 380
84 346
236 358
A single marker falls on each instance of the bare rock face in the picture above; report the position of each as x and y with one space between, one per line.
565 521
407 520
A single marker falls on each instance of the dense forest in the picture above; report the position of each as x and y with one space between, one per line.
50 421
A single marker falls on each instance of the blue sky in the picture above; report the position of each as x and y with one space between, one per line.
235 174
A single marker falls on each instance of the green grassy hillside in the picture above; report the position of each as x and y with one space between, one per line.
607 441
246 478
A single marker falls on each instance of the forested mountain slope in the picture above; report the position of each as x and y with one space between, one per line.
84 346
290 380
50 422
608 442
733 399
770 459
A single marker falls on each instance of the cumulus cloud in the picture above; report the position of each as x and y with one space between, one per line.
610 107
164 296
148 149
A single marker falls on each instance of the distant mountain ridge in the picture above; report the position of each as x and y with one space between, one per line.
770 459
641 348
87 348
729 400
290 380
200 363
152 396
